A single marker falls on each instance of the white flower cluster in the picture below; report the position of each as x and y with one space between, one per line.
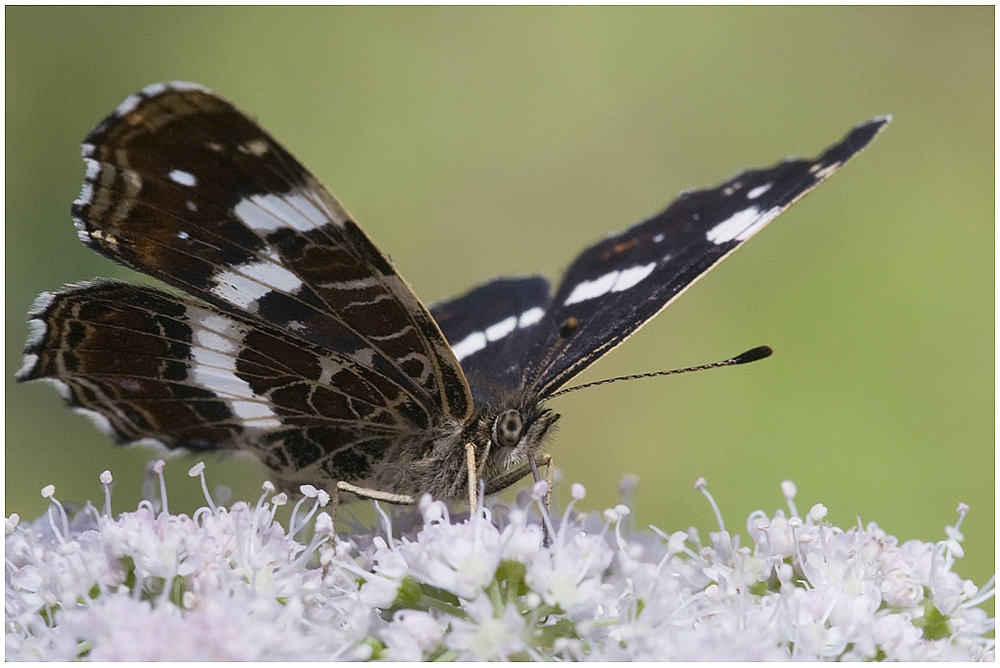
233 584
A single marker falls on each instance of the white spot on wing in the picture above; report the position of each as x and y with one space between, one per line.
823 171
128 105
632 276
476 341
363 356
257 147
100 421
93 169
758 191
267 213
30 360
613 281
182 177
741 225
471 344
501 329
530 317
246 283
36 332
591 289
214 346
86 194
42 302
179 85
154 89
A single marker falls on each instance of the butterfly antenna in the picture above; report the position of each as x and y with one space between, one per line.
752 355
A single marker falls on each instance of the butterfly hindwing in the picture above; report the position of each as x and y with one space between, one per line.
489 327
148 365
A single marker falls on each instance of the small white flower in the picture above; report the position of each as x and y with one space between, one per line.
381 588
485 637
817 512
461 559
521 541
411 635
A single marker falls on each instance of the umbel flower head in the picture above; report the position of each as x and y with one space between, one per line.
234 584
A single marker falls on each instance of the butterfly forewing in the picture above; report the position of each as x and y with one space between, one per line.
616 286
184 187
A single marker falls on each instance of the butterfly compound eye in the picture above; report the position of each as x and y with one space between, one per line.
507 428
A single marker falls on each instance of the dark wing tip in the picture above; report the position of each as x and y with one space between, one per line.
863 134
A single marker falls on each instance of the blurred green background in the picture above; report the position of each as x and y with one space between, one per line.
476 142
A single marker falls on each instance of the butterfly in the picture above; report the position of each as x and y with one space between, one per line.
293 337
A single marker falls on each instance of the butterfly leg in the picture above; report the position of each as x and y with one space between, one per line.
366 493
377 495
470 461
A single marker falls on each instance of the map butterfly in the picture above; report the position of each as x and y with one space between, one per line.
297 340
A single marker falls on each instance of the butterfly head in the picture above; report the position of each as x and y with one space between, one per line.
508 432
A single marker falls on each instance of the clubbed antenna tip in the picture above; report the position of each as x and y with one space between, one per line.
754 354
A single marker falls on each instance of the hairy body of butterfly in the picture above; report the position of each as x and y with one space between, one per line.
298 341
